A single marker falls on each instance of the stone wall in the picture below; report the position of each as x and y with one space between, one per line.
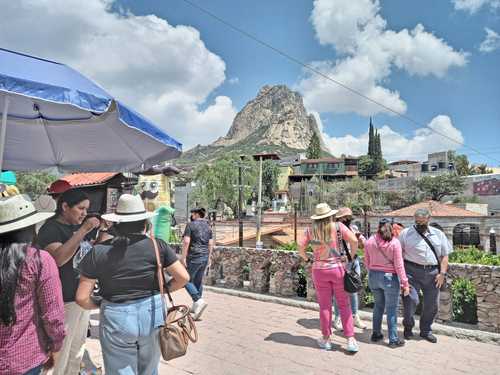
275 272
486 280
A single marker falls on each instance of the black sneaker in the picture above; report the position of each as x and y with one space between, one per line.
429 337
408 333
396 344
376 337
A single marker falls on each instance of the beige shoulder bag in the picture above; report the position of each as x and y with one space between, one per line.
179 326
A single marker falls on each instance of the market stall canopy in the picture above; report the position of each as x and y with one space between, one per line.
52 116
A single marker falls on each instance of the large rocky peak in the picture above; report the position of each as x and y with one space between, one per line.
275 117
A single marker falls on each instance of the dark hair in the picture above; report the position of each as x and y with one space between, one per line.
200 211
13 246
124 230
71 197
385 230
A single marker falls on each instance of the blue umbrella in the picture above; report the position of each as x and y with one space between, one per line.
52 116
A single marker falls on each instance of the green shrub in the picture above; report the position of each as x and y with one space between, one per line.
464 301
292 246
474 256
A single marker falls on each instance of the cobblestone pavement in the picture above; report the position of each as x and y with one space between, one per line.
239 336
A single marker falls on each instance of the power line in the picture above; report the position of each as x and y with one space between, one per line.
318 72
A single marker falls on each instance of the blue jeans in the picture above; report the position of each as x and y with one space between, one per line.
196 269
353 296
35 371
128 333
385 289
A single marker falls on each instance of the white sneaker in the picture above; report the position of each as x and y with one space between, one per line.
198 308
358 323
352 345
337 323
324 344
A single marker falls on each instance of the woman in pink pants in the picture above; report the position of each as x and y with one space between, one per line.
328 272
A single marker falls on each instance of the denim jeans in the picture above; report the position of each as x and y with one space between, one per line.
196 269
385 289
35 371
353 296
129 336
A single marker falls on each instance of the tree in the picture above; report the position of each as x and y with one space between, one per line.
481 169
34 183
270 173
371 140
440 186
365 163
217 182
314 148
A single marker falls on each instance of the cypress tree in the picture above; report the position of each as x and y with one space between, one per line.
314 148
371 140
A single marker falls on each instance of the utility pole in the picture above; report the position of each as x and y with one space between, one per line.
258 243
295 207
240 202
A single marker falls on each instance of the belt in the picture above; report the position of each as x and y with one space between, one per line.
423 266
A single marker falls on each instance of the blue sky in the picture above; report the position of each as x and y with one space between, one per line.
192 80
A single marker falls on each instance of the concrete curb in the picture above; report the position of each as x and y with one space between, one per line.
457 331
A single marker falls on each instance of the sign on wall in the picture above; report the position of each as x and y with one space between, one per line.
487 187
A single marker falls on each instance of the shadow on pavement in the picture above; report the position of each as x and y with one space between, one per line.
309 323
286 338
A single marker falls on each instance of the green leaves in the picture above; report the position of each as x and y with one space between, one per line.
34 183
464 301
314 148
217 182
474 256
437 187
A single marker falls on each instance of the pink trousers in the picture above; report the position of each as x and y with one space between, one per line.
327 282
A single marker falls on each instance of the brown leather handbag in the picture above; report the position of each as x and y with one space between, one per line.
179 328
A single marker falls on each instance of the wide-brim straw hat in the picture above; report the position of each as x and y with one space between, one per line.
129 208
17 212
323 210
343 212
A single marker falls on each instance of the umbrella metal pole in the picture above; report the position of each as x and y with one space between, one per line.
4 129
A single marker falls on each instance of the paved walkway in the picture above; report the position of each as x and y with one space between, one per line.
239 336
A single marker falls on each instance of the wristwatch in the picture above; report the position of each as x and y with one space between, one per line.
443 273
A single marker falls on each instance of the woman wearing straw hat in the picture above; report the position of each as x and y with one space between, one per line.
328 272
31 303
131 309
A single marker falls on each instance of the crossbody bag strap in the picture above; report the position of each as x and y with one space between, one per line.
339 242
428 241
159 274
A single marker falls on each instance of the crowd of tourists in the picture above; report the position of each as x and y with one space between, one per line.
52 278
89 262
400 262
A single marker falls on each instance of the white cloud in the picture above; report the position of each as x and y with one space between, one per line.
234 81
165 72
472 6
491 43
369 52
396 146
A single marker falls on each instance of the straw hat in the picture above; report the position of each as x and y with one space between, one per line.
343 211
129 208
17 213
322 211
